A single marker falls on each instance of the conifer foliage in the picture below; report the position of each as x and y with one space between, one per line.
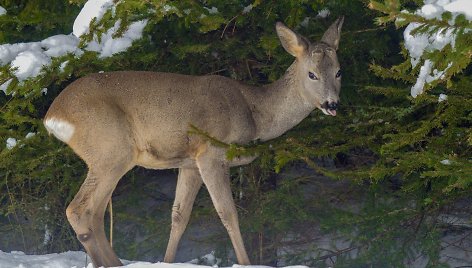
402 140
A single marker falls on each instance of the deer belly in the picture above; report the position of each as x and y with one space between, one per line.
164 154
152 161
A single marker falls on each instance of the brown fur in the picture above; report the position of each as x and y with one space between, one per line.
124 119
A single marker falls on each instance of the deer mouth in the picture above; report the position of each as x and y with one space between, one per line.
329 108
328 111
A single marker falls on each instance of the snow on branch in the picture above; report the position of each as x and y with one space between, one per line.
27 60
420 42
3 11
435 38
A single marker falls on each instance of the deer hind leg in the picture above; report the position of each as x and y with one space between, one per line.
86 211
188 184
215 175
109 154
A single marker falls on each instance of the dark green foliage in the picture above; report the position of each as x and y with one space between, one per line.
28 21
385 148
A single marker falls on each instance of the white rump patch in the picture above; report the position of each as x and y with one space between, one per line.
63 130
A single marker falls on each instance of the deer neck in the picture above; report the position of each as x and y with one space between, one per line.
279 106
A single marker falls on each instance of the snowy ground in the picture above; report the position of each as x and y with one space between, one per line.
78 259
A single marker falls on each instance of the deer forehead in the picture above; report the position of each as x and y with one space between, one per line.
320 48
321 51
322 59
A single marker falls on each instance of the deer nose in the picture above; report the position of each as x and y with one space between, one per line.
330 105
333 106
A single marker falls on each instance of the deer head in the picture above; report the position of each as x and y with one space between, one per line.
316 65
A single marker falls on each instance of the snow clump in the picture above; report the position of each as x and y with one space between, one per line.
442 97
109 45
247 9
11 142
212 10
92 9
445 162
28 59
4 86
305 22
324 13
3 11
30 135
420 42
29 63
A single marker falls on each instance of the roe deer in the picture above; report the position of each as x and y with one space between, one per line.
117 120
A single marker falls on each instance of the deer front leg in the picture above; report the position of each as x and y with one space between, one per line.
85 213
188 184
214 170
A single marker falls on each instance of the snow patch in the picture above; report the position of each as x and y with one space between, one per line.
247 9
92 9
30 135
211 259
79 259
324 13
29 64
433 9
61 260
110 45
4 86
442 97
63 66
445 162
305 22
420 82
166 8
212 10
420 42
11 142
47 235
460 7
426 76
30 58
8 52
59 45
3 11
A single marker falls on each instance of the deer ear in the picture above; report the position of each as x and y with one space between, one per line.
333 34
293 43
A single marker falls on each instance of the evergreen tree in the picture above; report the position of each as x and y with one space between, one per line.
406 160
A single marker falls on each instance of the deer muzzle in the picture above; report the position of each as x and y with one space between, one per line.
329 108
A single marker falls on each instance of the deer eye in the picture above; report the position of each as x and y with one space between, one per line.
338 74
312 76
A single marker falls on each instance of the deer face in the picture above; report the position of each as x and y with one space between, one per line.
317 68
